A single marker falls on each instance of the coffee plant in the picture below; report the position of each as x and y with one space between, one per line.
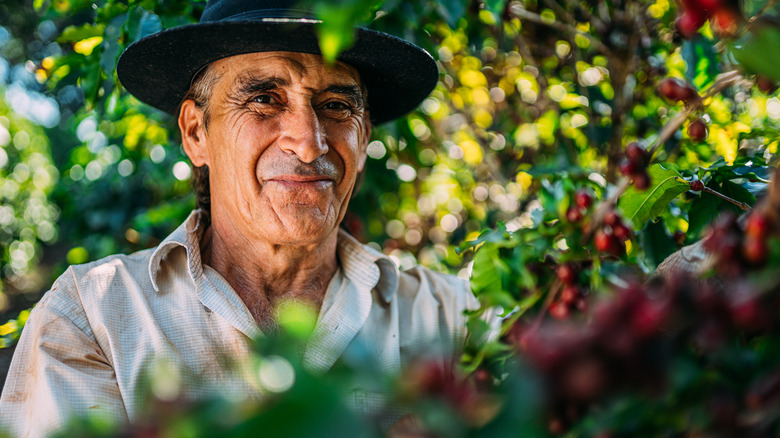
602 172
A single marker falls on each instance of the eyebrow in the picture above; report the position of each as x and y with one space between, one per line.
246 86
352 92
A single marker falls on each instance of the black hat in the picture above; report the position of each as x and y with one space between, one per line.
159 69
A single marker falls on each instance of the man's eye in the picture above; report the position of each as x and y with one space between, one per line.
264 98
338 106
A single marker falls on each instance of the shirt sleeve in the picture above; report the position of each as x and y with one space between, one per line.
58 370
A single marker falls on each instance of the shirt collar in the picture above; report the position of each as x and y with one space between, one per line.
366 266
361 264
187 235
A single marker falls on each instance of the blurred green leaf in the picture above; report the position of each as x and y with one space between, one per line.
757 51
656 242
336 32
78 33
701 60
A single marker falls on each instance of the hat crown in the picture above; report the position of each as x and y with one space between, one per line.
230 10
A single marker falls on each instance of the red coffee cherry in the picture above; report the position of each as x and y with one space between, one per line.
757 225
679 237
559 310
612 219
570 294
676 90
573 214
765 84
608 243
628 168
636 153
566 274
725 22
688 24
696 185
621 231
583 199
641 180
697 130
755 250
705 5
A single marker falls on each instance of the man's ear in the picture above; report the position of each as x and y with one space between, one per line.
364 144
193 133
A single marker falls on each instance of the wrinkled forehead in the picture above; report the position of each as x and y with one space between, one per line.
292 68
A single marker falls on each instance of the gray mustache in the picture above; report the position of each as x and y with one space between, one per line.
323 166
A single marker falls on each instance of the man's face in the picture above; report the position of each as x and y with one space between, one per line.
286 137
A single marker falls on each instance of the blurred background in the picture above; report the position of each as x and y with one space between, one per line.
526 89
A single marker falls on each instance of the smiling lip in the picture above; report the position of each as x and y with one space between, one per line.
299 178
301 181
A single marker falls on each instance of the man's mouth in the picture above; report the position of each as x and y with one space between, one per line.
301 181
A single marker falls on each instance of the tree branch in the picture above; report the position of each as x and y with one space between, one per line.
519 11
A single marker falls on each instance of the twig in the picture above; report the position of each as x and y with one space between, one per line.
768 5
548 300
742 205
519 11
594 21
560 11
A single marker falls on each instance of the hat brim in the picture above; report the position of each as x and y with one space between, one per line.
158 69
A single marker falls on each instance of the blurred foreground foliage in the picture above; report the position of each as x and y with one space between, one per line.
544 113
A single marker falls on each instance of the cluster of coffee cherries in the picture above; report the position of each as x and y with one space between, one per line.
468 395
582 202
634 165
724 15
583 363
678 90
630 339
611 238
571 295
736 246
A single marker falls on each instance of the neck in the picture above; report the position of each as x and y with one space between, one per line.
266 275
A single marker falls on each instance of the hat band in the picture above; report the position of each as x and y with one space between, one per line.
273 15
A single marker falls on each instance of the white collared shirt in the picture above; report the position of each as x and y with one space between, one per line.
91 338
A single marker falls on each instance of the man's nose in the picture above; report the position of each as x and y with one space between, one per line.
303 135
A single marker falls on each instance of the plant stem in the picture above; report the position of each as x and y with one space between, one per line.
742 205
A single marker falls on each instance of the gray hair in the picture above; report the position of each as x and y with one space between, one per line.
200 93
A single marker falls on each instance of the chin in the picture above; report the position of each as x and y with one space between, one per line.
302 234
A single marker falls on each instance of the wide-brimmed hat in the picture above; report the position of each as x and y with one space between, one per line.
159 68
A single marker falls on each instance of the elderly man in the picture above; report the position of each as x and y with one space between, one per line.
277 139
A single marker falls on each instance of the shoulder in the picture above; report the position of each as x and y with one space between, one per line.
136 264
433 306
80 286
449 291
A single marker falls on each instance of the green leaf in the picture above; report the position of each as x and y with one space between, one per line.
640 206
703 210
656 242
758 52
336 33
78 33
489 271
